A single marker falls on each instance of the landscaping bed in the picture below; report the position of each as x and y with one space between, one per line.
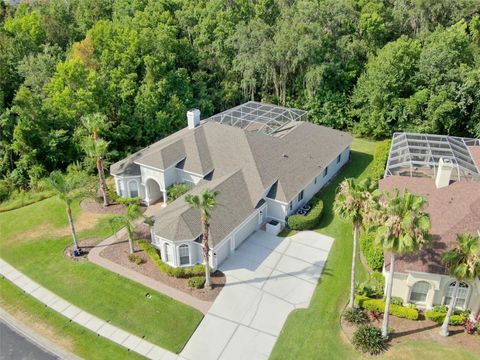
96 207
118 252
404 330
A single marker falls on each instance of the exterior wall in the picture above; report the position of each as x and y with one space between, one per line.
156 175
246 230
170 177
122 186
276 210
403 283
183 176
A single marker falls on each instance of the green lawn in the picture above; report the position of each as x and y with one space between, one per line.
314 333
160 319
73 337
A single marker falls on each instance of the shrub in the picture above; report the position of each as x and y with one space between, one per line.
355 316
309 221
440 308
134 258
380 157
177 190
372 252
439 317
368 339
373 287
395 300
196 282
179 272
395 310
20 198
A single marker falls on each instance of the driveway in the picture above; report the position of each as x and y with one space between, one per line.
267 278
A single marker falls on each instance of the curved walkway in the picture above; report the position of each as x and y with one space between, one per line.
95 257
77 315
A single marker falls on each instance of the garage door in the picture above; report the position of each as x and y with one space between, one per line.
246 230
223 252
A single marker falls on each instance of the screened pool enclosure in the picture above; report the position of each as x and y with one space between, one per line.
419 155
263 118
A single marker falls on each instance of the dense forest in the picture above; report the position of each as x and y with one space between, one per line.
371 67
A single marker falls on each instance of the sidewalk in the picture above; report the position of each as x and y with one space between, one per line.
75 314
95 257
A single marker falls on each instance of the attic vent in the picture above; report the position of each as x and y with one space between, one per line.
285 155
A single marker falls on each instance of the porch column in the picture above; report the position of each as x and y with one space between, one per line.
164 192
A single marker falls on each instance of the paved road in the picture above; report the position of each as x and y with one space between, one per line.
14 346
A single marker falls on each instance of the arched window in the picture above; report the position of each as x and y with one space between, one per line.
184 254
461 296
133 188
419 292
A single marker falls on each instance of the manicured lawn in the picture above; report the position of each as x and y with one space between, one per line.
69 335
314 333
426 350
160 319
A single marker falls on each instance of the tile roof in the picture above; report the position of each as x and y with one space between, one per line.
453 209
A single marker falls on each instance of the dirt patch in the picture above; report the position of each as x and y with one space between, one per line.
420 330
84 221
94 206
118 252
85 247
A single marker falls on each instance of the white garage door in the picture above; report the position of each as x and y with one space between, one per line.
223 252
246 230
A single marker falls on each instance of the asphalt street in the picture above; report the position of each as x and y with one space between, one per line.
14 346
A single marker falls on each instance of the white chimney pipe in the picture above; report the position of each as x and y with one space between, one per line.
444 173
193 117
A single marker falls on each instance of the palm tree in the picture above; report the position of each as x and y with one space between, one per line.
96 148
206 201
127 220
402 227
69 187
351 203
463 263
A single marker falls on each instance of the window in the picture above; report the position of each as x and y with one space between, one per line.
461 296
121 188
184 254
325 172
315 180
290 206
300 196
166 252
339 157
133 188
419 292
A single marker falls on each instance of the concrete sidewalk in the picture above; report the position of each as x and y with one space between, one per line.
75 314
95 257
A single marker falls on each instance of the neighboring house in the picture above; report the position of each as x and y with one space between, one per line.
445 170
264 161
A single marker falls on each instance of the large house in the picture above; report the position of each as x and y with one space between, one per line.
445 170
264 160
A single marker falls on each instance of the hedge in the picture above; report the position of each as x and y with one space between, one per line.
372 252
309 221
439 317
380 157
178 272
379 305
196 282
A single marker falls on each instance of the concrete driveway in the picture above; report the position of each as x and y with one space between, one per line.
267 278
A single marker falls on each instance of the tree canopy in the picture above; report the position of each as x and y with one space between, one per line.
368 66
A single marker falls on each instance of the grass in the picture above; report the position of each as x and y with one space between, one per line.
24 198
160 319
74 338
426 350
315 333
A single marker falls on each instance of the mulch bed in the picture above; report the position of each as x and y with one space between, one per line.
85 247
421 329
119 251
96 206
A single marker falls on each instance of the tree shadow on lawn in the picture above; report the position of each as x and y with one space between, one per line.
357 165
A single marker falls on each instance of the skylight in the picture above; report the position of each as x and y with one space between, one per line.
263 118
419 154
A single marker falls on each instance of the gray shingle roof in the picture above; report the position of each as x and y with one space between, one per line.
246 164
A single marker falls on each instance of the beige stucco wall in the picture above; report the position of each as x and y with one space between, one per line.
403 283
